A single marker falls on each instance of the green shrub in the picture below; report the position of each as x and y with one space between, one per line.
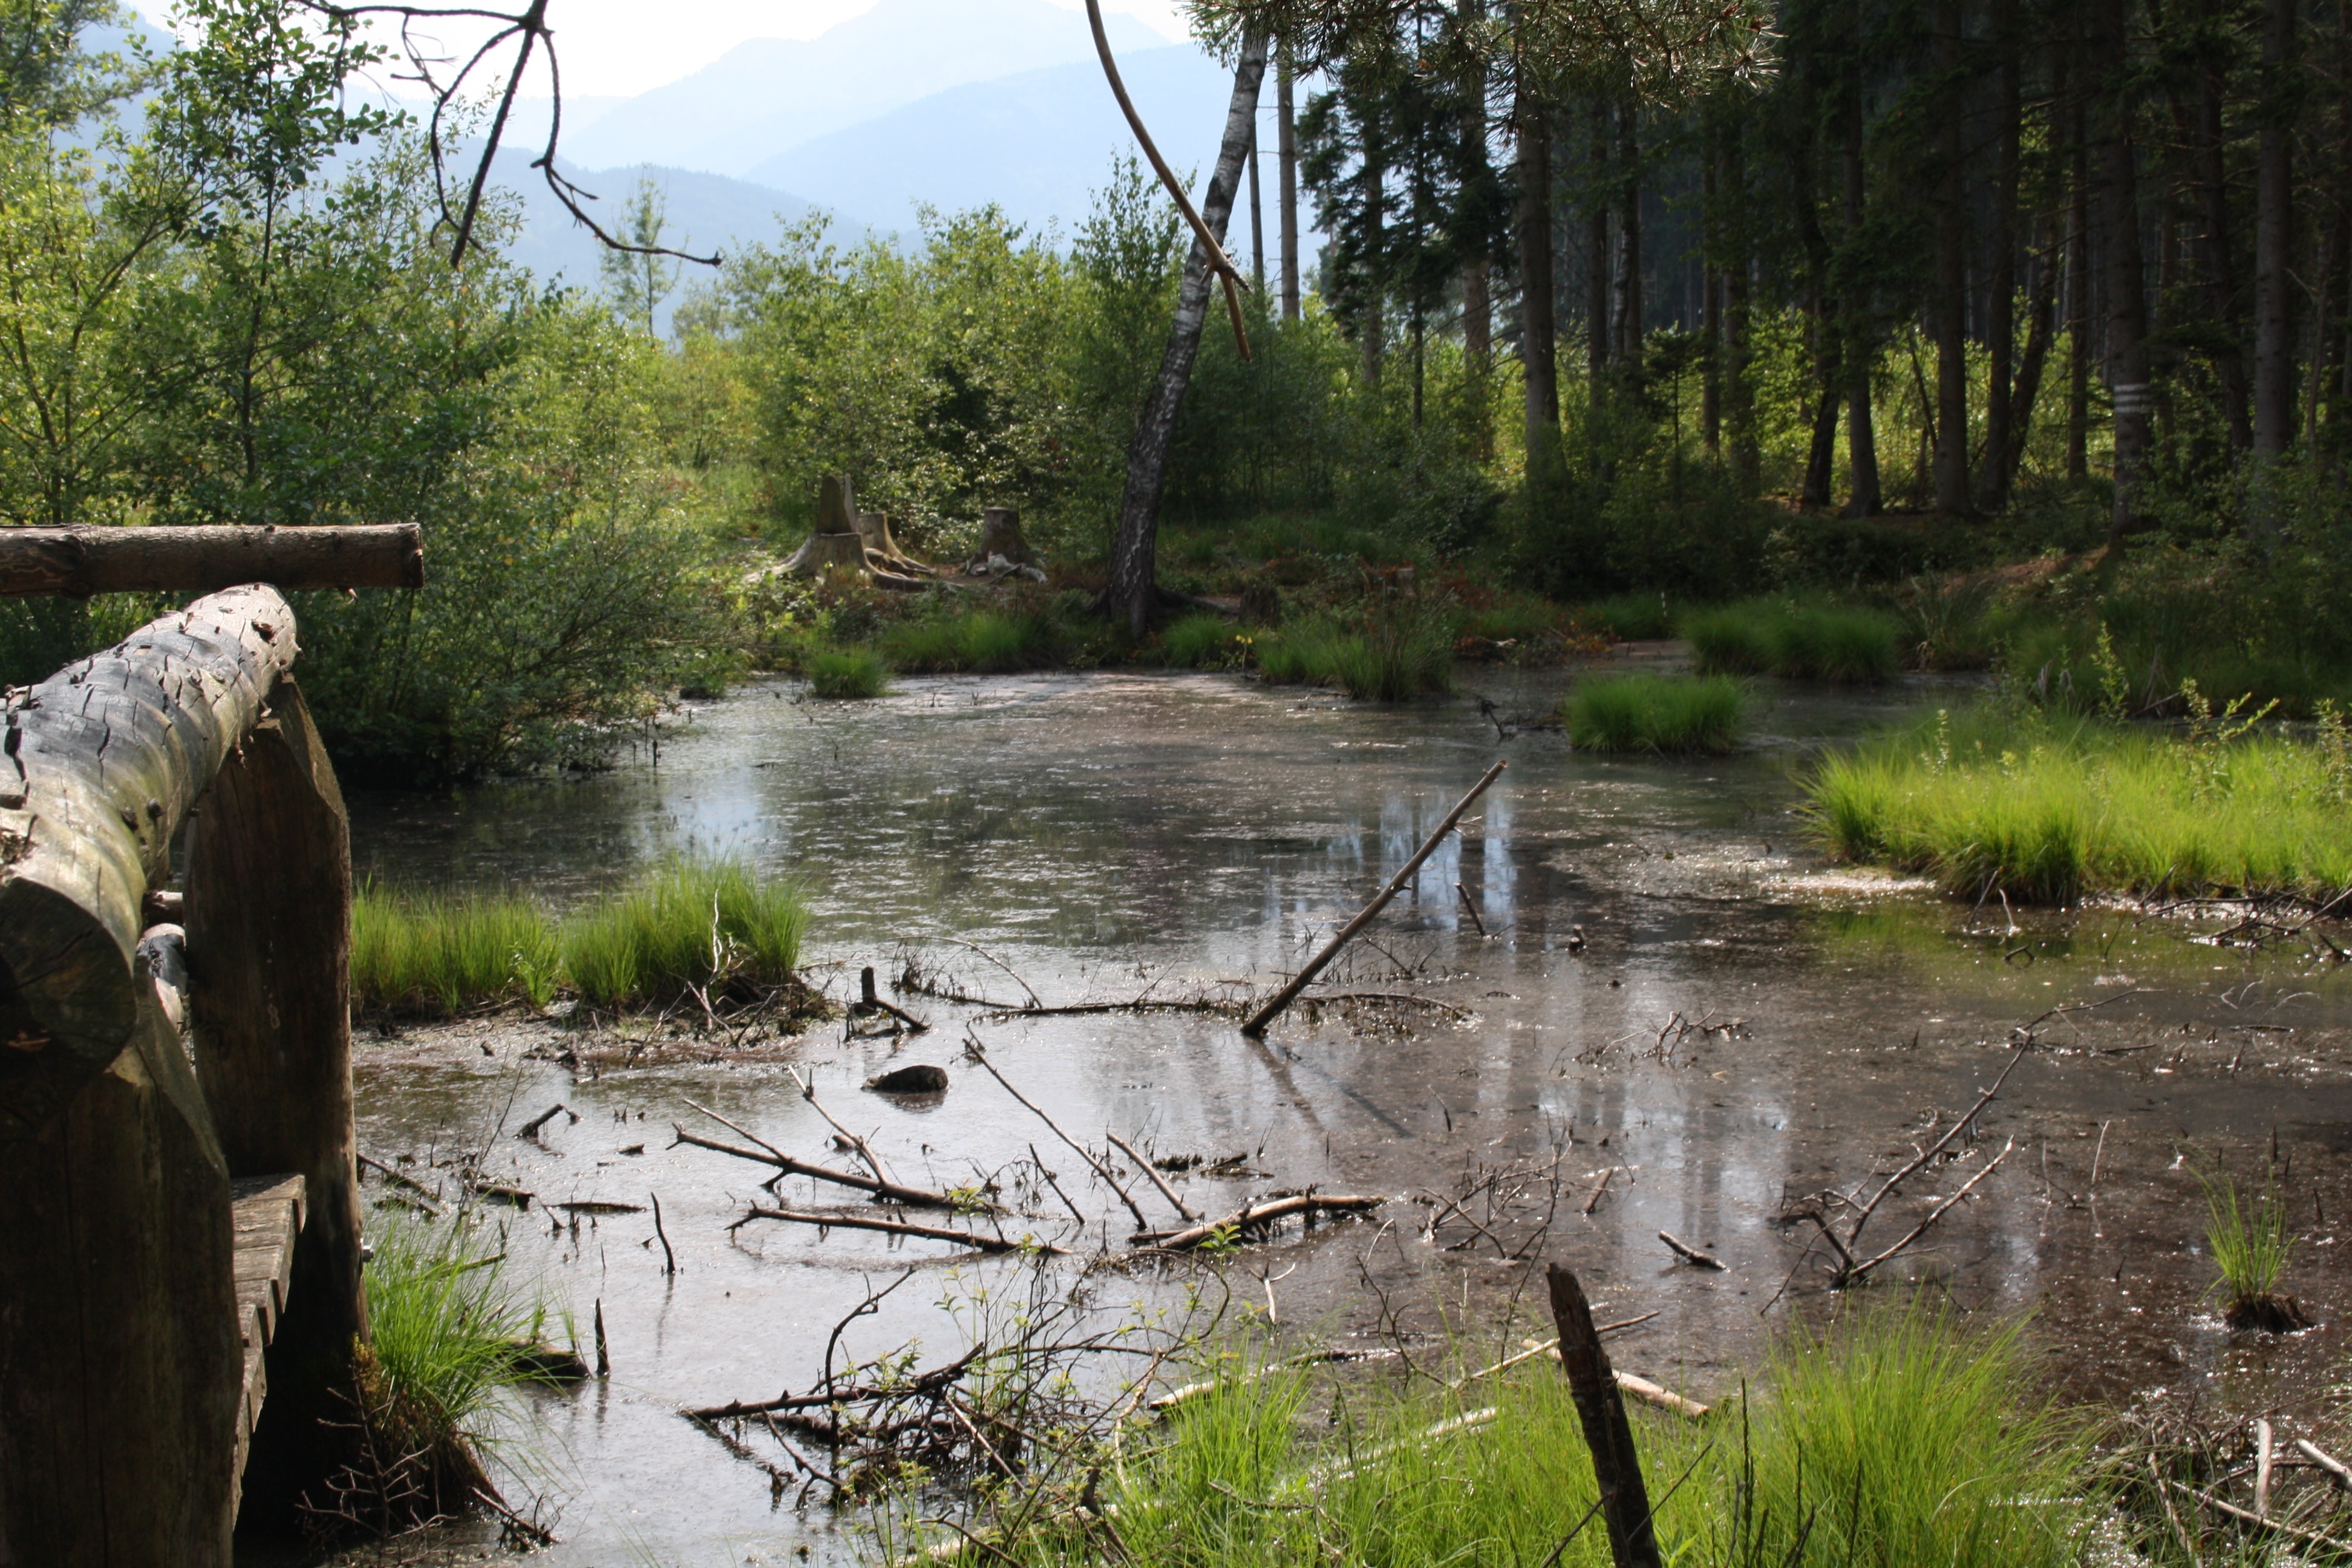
441 953
1201 640
687 922
1655 713
850 672
2046 810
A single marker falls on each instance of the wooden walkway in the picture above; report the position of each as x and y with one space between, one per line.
268 1213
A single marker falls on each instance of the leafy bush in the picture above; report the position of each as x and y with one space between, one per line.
845 673
1655 713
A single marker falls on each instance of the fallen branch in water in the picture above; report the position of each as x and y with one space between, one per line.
918 1197
1258 1021
431 1200
1534 1351
1183 1210
902 1227
855 1144
1252 1216
1404 996
980 1055
2246 1516
1088 1009
1692 1254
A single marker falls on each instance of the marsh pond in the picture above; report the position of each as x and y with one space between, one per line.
1628 997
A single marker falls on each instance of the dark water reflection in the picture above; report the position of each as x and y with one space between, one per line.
1112 833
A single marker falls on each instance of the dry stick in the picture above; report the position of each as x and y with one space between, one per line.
1616 1464
1600 1189
1183 1210
670 1259
858 1146
1388 997
1920 1229
1692 1254
1096 1165
2339 1473
1544 1349
917 1196
1306 977
1075 1213
432 1199
1472 911
1085 1009
901 1228
1219 261
604 1359
1252 1214
2308 1537
1034 1000
531 1128
2265 1450
1853 1237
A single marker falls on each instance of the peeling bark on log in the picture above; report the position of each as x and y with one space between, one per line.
99 764
79 561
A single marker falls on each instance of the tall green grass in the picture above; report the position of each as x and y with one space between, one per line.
985 642
1669 713
688 922
2048 809
1386 655
850 673
441 953
1806 642
449 1324
1628 617
1901 1439
2251 1246
1201 640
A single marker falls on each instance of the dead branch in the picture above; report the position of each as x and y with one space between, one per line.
916 1196
1862 1271
2337 1473
980 1055
1252 1216
856 1145
2244 1516
901 1228
1183 1210
1692 1254
1258 1021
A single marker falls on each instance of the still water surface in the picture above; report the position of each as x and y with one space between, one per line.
1112 834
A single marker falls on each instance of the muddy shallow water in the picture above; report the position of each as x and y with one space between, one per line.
1111 835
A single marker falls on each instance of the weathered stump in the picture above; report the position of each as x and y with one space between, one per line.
1600 1410
1000 534
268 921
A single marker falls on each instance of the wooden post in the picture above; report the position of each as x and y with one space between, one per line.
268 920
1624 1498
121 1361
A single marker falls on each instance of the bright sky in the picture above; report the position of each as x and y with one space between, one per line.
618 47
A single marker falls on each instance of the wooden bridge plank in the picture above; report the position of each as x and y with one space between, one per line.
266 1216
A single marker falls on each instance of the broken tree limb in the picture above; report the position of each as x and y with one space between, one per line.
1692 1254
2231 1510
1183 1210
1249 1217
858 1146
2338 1472
1616 1466
1546 1348
1862 1271
917 1196
901 1228
1853 1237
79 561
1315 966
1083 1152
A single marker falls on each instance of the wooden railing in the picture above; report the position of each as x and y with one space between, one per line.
169 1206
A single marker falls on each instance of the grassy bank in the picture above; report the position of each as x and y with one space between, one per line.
1903 1440
711 924
2048 809
1386 654
1666 713
1814 641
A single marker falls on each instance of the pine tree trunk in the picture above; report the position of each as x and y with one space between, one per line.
1131 591
2041 311
1600 342
1710 397
2128 356
1477 299
2274 236
1950 311
1539 327
2078 281
1738 396
2218 248
1286 153
1628 239
1860 423
2000 324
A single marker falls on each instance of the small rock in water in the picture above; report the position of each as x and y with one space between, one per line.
910 1080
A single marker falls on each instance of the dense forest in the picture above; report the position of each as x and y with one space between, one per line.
1851 297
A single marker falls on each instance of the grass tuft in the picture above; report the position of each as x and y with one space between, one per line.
2047 809
1804 642
2251 1248
984 642
1629 617
1201 641
442 953
1669 713
1389 656
687 923
847 673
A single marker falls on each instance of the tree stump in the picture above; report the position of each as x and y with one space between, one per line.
853 541
829 552
1000 534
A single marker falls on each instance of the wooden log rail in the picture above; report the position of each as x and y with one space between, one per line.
173 1206
79 561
